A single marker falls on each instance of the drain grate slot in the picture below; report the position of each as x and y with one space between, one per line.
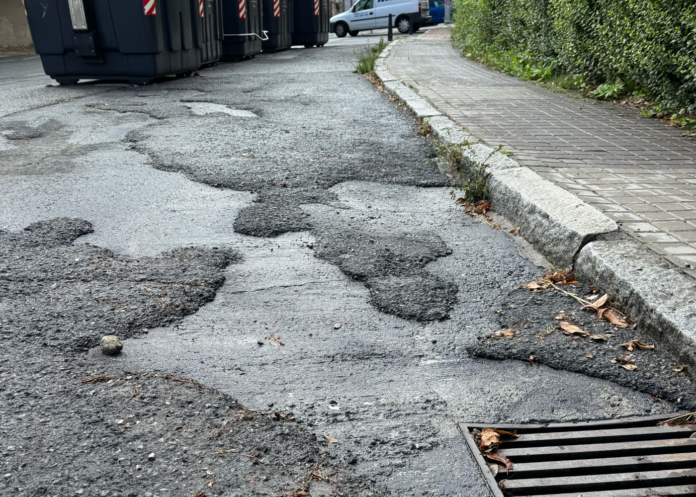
614 458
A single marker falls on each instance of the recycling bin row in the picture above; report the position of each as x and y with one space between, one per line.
139 40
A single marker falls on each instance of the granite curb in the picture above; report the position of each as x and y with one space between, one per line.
567 230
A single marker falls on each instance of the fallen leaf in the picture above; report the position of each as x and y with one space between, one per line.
331 440
656 399
624 358
533 285
211 483
631 345
504 333
506 433
600 337
514 231
609 316
490 440
600 301
496 457
561 316
531 359
681 369
630 367
589 356
571 329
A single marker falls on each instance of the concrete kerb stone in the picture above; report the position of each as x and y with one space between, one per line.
659 297
553 220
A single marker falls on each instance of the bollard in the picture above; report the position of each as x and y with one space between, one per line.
410 25
390 36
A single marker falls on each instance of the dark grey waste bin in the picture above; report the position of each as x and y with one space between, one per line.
278 24
135 40
243 29
311 26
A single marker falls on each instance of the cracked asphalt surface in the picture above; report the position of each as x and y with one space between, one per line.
322 208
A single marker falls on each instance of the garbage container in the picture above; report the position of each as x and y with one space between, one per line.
277 22
311 26
243 29
134 40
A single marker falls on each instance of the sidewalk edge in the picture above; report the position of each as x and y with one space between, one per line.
660 298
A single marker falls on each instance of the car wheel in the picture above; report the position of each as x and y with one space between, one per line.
353 33
403 25
341 30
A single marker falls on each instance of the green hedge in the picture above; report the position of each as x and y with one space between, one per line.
647 44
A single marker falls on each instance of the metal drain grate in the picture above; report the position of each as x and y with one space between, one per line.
615 458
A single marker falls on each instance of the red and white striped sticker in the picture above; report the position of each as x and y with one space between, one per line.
242 9
276 8
149 7
200 8
316 7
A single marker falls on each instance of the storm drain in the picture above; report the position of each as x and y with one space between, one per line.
615 458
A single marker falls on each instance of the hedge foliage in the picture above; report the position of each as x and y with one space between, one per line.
646 44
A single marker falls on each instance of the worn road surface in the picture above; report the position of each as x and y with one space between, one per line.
328 274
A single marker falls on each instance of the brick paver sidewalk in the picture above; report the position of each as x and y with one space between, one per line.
635 169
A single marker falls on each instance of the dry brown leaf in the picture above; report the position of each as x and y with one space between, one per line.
514 231
533 285
490 440
631 345
496 457
571 329
531 359
600 337
561 316
624 358
504 333
609 316
331 440
506 433
630 367
589 356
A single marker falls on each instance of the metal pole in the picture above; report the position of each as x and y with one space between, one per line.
410 25
390 36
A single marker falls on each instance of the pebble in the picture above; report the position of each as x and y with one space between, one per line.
337 326
151 456
111 345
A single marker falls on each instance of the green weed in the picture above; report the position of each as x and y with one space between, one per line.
366 62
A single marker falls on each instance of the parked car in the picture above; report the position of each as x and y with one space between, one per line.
365 15
437 11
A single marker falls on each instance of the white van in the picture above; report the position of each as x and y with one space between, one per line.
374 14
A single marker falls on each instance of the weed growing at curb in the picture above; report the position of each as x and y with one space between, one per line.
366 63
424 128
465 173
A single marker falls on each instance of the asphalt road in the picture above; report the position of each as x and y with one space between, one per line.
352 288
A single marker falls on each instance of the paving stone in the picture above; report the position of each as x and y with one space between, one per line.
636 164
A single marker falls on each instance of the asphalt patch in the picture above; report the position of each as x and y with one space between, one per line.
391 264
306 140
73 422
532 315
115 295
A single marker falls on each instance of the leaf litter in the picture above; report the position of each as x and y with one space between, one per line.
488 441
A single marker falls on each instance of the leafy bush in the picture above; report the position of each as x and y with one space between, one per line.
608 91
643 43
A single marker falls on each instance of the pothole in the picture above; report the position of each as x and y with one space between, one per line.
206 108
